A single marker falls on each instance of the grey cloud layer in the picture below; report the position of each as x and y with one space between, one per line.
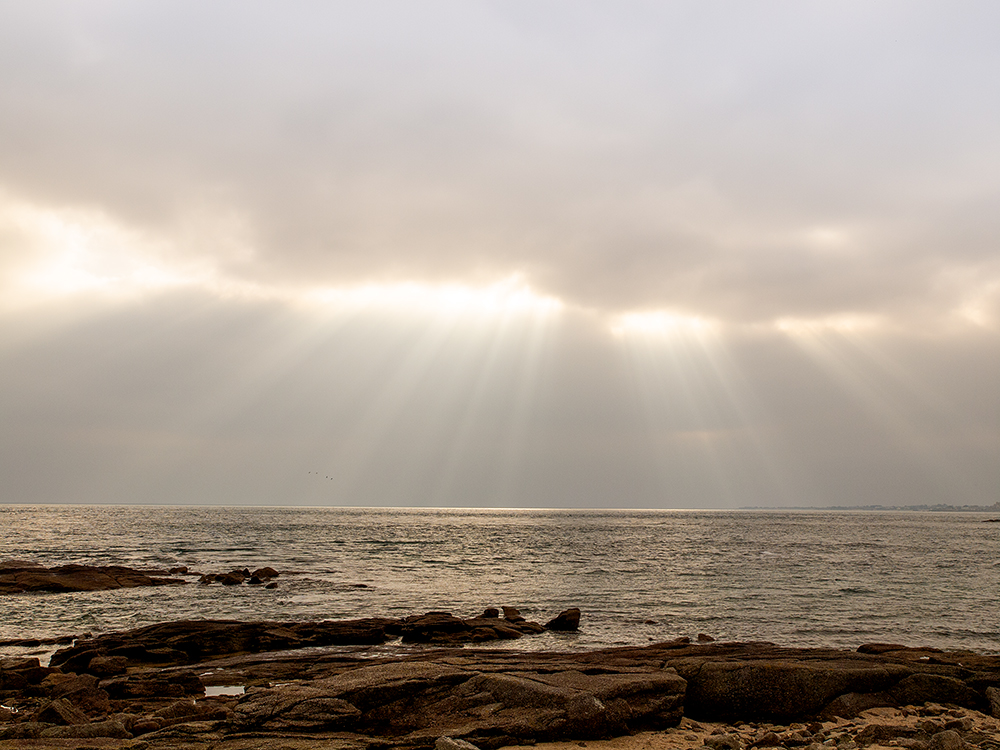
746 162
742 163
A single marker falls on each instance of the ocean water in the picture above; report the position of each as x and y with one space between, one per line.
794 578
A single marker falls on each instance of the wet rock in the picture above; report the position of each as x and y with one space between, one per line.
433 626
187 641
19 580
704 638
231 579
179 570
510 613
490 613
565 621
266 572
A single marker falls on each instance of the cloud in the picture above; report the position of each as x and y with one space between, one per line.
832 161
723 188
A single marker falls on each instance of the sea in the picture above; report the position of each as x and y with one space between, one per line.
795 578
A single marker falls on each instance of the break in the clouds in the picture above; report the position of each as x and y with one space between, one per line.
511 253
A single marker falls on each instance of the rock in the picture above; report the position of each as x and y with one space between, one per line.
490 613
724 742
432 627
272 585
19 580
16 673
157 685
107 728
59 711
294 708
947 740
564 621
927 688
179 570
82 691
187 641
777 689
849 705
993 698
450 743
195 734
266 572
26 730
189 710
107 666
705 638
509 613
231 579
882 734
440 700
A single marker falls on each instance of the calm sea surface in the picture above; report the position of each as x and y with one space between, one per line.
794 578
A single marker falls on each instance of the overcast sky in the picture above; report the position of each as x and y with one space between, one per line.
619 254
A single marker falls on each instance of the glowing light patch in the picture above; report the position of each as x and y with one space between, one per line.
511 295
659 323
73 253
70 253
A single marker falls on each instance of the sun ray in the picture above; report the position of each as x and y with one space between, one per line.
694 394
907 412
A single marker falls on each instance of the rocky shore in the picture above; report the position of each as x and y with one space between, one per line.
230 685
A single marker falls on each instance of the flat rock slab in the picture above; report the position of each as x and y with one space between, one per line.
415 702
358 699
24 579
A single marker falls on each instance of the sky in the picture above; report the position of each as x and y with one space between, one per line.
503 254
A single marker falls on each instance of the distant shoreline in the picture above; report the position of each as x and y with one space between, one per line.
939 508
